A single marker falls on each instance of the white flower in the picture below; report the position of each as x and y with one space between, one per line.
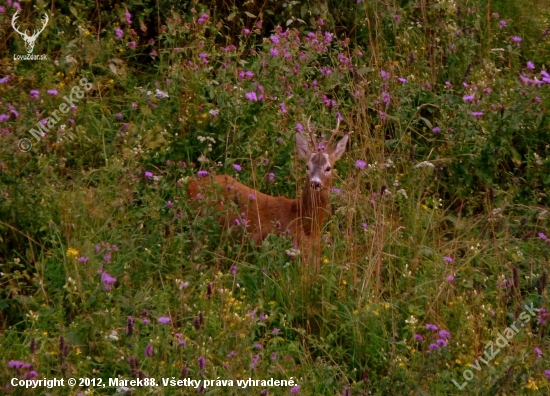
425 164
404 193
161 94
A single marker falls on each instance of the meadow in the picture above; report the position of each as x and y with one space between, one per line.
434 262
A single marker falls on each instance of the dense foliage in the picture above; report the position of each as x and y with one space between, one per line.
437 238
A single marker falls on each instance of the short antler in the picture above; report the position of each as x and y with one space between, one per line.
334 132
310 133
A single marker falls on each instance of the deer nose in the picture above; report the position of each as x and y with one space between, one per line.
315 184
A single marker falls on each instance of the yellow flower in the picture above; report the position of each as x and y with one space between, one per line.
61 85
87 32
72 253
325 260
344 282
205 115
78 351
532 384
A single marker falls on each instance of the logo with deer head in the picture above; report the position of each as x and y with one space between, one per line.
29 40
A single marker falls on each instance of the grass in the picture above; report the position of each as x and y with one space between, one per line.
439 214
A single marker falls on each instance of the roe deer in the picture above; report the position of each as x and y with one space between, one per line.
263 214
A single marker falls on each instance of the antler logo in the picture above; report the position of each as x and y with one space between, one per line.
29 40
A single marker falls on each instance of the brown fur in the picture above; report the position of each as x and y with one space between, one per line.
303 217
267 214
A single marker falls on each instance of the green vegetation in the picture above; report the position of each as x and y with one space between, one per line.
439 208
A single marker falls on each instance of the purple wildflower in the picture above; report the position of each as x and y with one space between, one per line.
468 98
128 17
52 92
201 362
252 197
283 108
547 374
542 235
418 338
202 173
448 259
450 278
107 280
271 176
436 129
275 331
132 44
360 164
164 320
148 175
237 167
274 52
35 94
169 204
251 96
335 190
384 75
442 343
432 327
294 390
402 80
83 259
148 350
16 364
434 346
119 32
516 39
530 65
538 351
444 334
501 24
274 39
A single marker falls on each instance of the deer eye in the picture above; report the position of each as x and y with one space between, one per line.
307 167
328 169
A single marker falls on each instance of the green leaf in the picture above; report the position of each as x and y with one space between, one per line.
231 16
427 122
73 11
249 14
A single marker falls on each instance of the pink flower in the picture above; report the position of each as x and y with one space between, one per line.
251 96
360 164
164 320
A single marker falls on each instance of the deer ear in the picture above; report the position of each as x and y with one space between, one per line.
336 151
302 146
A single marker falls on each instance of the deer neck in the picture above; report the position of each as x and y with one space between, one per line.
313 206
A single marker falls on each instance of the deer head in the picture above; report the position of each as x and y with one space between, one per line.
29 40
320 161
